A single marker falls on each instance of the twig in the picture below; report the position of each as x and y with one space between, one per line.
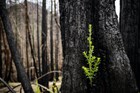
48 73
14 87
43 87
7 85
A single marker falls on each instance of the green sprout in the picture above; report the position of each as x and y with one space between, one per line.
92 61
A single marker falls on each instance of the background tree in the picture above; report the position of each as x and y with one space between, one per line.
14 51
52 41
57 42
26 34
129 26
38 40
44 44
28 38
1 48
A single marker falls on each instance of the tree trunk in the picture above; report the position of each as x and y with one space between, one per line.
26 35
115 74
51 43
14 51
129 25
38 40
57 54
115 71
1 29
56 75
74 22
44 43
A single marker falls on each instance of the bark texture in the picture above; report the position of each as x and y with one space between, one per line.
74 33
115 72
129 26
44 43
1 48
52 42
12 45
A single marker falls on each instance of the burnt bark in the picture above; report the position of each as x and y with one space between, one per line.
38 40
14 51
129 27
56 75
44 43
51 43
74 21
26 34
116 75
1 29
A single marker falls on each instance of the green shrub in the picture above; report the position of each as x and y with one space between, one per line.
92 61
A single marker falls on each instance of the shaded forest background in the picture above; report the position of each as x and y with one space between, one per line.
17 17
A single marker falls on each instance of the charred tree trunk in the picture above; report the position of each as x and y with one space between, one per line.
6 57
26 34
74 32
51 43
44 43
14 51
38 40
129 26
1 29
57 40
57 55
115 72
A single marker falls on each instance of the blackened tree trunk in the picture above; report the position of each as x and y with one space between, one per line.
44 43
116 74
51 43
57 54
26 34
0 48
56 75
14 51
74 22
38 40
129 26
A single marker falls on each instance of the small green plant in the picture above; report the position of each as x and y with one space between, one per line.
92 61
37 90
55 88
